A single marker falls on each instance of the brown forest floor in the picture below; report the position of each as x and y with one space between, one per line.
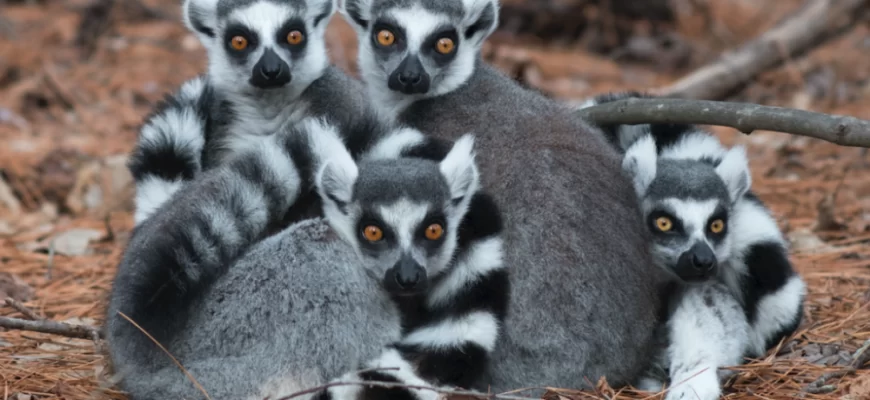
67 122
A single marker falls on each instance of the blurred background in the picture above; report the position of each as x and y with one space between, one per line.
77 77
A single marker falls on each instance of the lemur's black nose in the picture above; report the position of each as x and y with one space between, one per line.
407 276
703 258
696 264
271 71
409 77
408 279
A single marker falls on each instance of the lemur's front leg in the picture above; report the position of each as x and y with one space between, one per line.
708 330
450 353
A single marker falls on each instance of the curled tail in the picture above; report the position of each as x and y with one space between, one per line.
178 252
169 149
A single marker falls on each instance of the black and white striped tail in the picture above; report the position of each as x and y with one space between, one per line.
169 149
178 251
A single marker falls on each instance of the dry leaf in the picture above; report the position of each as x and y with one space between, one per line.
802 240
75 242
14 287
859 389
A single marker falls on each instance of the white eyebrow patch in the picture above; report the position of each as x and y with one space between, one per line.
418 23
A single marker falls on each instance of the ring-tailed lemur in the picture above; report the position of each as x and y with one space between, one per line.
293 311
577 248
267 68
710 231
433 238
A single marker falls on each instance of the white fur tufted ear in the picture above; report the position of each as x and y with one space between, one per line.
481 19
357 13
200 16
334 182
640 163
459 169
734 171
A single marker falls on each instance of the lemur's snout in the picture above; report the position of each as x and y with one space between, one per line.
410 77
270 72
406 277
697 264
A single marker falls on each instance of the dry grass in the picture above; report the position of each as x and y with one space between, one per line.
63 119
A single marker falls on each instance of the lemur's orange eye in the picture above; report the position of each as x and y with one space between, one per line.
295 37
239 42
445 45
386 38
434 231
373 233
717 226
664 224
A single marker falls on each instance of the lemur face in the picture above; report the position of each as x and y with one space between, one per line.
400 215
686 204
262 44
419 48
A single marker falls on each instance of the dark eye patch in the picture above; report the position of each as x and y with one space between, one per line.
236 29
431 42
401 41
720 213
367 218
296 50
677 227
431 246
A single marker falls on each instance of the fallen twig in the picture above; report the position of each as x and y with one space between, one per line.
810 26
30 314
174 360
745 117
392 385
52 327
861 357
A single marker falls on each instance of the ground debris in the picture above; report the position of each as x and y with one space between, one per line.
67 127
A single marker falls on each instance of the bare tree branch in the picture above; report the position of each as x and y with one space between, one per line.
52 327
816 22
745 117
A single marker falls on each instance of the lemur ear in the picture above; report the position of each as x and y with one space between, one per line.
357 12
640 163
481 19
335 181
200 16
336 169
459 169
734 171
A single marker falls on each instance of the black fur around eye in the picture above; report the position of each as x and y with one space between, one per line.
379 241
661 222
387 36
717 225
442 45
292 36
239 41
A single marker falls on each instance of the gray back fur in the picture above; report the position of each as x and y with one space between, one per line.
292 313
584 303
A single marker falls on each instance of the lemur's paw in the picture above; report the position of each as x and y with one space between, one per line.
650 385
702 386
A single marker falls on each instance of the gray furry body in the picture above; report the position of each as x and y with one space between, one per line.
583 301
289 315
